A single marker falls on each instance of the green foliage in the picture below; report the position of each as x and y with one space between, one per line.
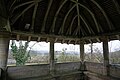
20 54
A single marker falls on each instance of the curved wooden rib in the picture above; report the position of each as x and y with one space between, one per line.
105 15
55 17
61 30
91 13
15 18
22 5
89 29
34 14
45 18
78 13
70 28
117 6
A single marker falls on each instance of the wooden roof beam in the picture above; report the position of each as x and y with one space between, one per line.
104 13
78 13
70 28
56 40
47 40
20 5
46 15
68 41
55 17
29 38
117 5
18 37
63 41
75 42
91 13
86 24
61 30
98 40
38 40
17 16
65 37
34 15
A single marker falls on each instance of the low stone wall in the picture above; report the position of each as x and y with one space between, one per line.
115 71
63 71
96 71
22 72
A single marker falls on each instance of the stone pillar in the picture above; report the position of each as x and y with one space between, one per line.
4 47
106 56
52 63
82 51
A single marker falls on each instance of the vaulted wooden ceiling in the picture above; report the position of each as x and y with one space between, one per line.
65 20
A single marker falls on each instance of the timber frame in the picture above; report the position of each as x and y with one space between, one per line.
64 20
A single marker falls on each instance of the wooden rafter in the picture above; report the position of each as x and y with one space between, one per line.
90 40
55 17
38 40
18 37
117 6
78 13
56 40
61 30
98 39
29 38
20 5
34 15
91 13
86 24
104 13
15 18
83 31
46 15
75 42
70 28
63 41
68 41
65 37
118 37
47 40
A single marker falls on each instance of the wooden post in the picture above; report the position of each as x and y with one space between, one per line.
52 64
106 55
82 51
4 47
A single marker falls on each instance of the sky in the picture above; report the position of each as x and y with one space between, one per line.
43 46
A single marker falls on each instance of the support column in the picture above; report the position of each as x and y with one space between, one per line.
82 57
4 47
106 56
52 63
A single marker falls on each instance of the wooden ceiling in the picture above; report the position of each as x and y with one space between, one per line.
67 21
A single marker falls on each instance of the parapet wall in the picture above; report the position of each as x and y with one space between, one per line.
63 71
96 71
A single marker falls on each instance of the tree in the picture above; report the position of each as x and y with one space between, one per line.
20 53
